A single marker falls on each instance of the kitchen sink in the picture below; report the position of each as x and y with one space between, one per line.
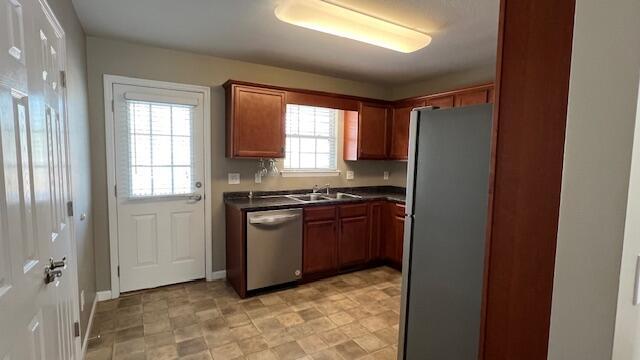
307 197
322 197
339 196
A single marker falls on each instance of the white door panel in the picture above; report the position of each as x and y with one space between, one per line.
159 163
36 318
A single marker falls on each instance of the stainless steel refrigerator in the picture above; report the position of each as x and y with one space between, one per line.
444 245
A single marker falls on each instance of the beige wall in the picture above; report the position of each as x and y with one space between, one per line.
79 149
127 59
600 126
479 75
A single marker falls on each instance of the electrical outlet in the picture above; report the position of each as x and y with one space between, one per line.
349 175
82 301
234 178
386 175
258 178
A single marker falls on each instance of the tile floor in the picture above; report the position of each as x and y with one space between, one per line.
352 316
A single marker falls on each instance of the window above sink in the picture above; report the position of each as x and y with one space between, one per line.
311 141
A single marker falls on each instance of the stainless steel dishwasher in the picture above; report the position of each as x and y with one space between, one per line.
274 247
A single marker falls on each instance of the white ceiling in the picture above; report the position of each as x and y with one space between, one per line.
464 34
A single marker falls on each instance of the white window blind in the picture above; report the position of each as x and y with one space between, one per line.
156 149
310 138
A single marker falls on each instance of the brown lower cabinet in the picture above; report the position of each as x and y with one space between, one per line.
398 235
377 211
343 237
320 241
353 235
392 244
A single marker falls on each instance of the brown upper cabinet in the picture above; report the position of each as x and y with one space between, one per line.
255 121
472 97
399 147
366 132
373 129
443 102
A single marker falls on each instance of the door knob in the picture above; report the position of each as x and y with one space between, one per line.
50 275
195 197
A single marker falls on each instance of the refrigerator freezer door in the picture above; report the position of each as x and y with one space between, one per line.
444 248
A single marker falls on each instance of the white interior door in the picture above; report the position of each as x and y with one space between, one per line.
36 316
159 166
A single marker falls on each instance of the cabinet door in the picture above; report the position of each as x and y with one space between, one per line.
471 98
376 232
442 102
257 122
353 247
398 239
398 225
372 131
399 148
387 245
320 247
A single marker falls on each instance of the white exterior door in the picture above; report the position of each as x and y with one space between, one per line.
159 166
36 316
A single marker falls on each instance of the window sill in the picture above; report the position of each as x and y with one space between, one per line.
309 173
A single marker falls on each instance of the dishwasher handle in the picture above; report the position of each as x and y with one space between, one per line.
272 219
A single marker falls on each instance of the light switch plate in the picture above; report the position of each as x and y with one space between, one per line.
349 175
257 178
234 178
386 175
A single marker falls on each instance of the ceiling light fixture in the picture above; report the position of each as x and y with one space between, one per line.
333 19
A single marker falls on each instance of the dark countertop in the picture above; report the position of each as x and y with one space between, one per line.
241 200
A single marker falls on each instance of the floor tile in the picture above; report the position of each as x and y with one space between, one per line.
253 345
312 344
191 346
166 352
226 352
288 351
263 355
350 350
370 343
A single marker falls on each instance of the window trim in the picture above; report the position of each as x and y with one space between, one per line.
309 173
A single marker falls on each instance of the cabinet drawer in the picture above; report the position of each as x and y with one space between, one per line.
353 210
320 213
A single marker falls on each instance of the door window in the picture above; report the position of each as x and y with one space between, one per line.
158 160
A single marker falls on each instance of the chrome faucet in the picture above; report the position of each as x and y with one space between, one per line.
316 188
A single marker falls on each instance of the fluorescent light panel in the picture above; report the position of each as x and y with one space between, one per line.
335 20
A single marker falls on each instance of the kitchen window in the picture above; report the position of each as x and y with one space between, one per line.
311 140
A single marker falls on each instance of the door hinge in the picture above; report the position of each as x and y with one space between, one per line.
69 208
113 106
115 190
118 270
76 329
63 78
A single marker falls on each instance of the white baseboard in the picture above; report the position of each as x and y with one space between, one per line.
103 295
89 325
217 275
